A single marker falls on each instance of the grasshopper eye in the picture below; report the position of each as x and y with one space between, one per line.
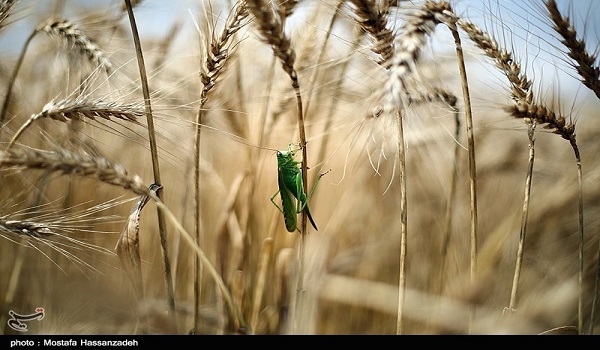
279 154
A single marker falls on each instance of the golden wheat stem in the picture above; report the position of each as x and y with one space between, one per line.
590 76
595 297
403 224
524 218
581 239
216 57
542 115
272 30
447 226
471 143
205 262
13 78
155 163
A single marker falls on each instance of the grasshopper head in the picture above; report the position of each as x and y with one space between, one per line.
285 156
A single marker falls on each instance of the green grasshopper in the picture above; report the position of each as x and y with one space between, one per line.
293 198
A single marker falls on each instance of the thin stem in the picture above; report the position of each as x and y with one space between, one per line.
13 78
581 237
403 223
197 227
513 294
155 164
19 132
303 233
449 205
471 143
205 261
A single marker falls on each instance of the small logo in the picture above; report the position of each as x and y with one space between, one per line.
16 320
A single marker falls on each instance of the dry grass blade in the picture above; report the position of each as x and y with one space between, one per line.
266 251
564 330
128 245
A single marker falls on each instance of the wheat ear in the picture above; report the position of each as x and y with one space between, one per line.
82 108
76 38
372 18
585 63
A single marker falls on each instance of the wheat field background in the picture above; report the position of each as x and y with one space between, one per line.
460 193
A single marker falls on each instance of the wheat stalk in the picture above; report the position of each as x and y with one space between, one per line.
525 108
418 25
216 56
271 29
520 88
162 230
544 116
